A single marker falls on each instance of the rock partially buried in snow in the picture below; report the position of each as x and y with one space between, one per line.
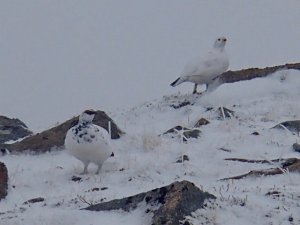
54 137
12 129
296 147
225 113
183 132
293 126
174 202
201 122
3 180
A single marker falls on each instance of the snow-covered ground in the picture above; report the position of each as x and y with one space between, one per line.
143 161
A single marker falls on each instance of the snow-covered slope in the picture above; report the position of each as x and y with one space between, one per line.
143 161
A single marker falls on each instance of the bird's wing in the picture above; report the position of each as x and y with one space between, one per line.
212 63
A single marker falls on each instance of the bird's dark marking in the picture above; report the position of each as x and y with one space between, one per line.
174 83
90 112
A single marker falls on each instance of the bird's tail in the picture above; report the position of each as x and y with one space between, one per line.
178 81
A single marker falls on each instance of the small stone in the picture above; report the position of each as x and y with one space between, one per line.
75 178
201 122
104 188
255 133
175 130
224 112
195 133
185 103
34 200
184 158
296 147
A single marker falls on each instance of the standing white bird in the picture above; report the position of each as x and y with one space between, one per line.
206 70
88 142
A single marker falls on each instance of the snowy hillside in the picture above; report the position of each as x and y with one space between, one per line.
144 160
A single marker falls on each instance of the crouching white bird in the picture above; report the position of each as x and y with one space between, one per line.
205 70
88 142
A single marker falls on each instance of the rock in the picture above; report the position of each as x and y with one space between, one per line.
186 134
195 133
201 122
183 158
173 202
34 200
182 104
54 138
3 180
224 112
293 126
175 130
12 129
296 147
75 178
255 133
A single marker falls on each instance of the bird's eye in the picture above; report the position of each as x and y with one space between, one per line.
224 39
219 39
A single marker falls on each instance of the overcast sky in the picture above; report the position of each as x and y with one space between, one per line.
59 57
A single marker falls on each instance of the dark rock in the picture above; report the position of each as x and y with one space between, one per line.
3 180
175 202
175 130
251 73
104 188
187 133
34 200
296 147
54 138
227 113
293 126
195 133
201 122
255 133
75 178
182 104
183 158
12 129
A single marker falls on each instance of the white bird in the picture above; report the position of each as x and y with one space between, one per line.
206 70
88 142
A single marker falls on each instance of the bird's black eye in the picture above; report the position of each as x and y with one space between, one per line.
219 39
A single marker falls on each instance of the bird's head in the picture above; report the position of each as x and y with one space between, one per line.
220 43
87 116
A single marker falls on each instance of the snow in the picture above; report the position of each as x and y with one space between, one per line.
144 161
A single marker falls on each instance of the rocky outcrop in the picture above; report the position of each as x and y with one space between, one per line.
3 180
54 137
251 73
12 129
174 202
